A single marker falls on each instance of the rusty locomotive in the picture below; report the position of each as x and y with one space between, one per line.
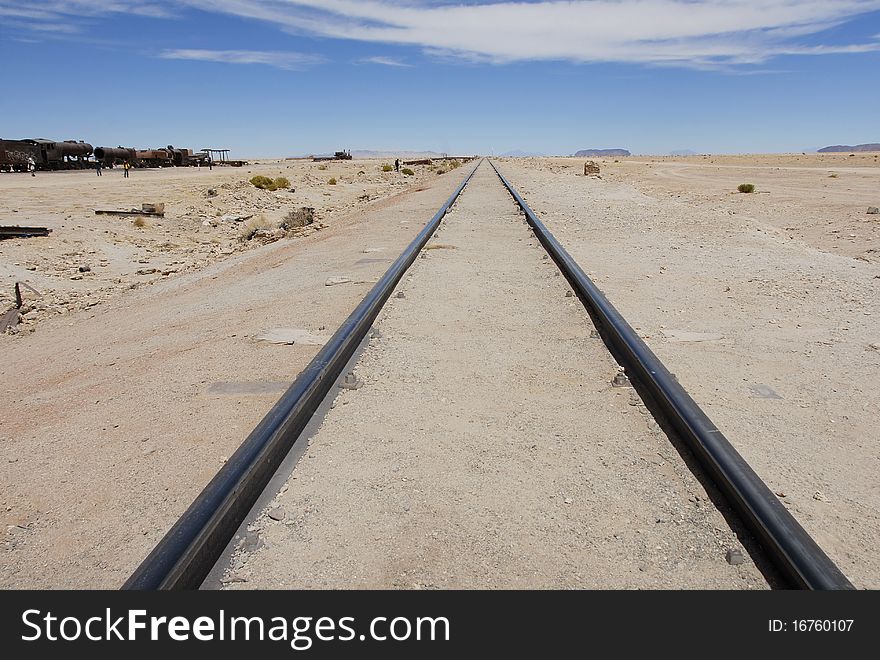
166 157
42 154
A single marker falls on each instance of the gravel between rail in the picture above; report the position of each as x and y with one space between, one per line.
486 446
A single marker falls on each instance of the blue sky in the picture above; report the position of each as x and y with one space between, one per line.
290 77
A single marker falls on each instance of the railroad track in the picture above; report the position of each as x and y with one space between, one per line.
192 547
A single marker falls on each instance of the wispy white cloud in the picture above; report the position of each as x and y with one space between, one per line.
698 33
277 59
384 61
707 34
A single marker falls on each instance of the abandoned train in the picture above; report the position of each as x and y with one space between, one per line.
42 154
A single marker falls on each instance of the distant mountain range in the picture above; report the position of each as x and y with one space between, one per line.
874 146
583 153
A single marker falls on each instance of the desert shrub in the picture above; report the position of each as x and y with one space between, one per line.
387 168
407 171
322 167
139 222
833 175
454 164
265 183
332 181
440 170
298 218
746 187
261 181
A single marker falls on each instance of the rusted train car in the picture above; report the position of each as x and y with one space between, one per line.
43 154
165 157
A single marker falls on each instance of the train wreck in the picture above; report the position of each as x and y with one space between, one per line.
40 154
43 154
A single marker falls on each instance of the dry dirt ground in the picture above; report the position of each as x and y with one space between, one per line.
765 306
116 414
114 417
487 447
209 214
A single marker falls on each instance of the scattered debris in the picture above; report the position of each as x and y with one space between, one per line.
337 279
873 210
400 294
235 218
277 513
735 557
11 318
351 382
9 231
591 167
819 496
760 391
292 336
152 210
620 378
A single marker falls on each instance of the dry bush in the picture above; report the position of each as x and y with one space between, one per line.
332 181
265 183
387 168
746 187
139 222
407 171
322 167
300 217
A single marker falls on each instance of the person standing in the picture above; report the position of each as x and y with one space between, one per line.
397 164
125 168
98 167
32 165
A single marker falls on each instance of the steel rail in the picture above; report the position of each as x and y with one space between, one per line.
792 549
189 550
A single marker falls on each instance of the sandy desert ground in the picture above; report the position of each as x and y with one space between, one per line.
129 383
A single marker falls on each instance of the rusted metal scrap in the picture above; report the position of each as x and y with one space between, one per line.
12 317
10 231
152 210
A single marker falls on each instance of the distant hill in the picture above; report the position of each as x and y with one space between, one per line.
583 153
837 148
